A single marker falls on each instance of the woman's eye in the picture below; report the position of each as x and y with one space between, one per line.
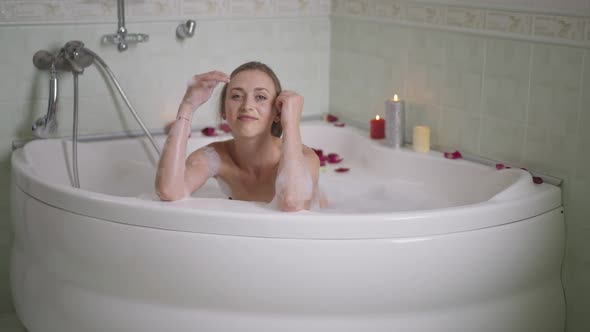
235 97
261 97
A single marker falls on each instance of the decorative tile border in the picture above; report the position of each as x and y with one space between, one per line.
70 11
509 22
385 8
423 13
568 29
561 29
465 17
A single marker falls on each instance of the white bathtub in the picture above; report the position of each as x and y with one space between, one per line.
412 242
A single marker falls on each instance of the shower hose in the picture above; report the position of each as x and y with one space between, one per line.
100 62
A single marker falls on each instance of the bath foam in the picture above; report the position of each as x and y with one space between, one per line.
224 187
295 174
208 157
213 160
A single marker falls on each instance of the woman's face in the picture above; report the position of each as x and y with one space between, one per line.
249 103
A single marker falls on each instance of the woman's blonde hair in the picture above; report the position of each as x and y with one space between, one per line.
276 129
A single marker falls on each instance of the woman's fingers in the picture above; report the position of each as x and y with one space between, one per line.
201 86
206 79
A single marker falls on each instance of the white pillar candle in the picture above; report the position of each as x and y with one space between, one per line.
421 139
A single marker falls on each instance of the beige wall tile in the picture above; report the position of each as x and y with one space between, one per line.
555 89
550 153
506 81
462 85
502 140
459 130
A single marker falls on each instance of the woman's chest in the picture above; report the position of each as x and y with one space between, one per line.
247 187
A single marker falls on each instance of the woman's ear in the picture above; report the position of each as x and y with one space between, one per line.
223 116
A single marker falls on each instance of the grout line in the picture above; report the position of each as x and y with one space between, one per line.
528 103
439 102
578 133
407 64
481 100
581 94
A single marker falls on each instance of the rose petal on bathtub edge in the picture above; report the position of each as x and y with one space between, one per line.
208 131
331 118
453 155
342 169
334 158
319 153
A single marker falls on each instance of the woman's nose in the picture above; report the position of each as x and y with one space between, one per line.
248 103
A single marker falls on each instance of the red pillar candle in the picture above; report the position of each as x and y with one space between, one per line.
377 128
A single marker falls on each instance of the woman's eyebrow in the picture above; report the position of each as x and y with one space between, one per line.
255 89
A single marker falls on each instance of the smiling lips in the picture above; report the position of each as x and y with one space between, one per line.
246 118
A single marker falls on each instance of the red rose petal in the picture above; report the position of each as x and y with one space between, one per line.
537 179
225 128
339 124
342 169
334 158
331 118
453 155
319 153
322 162
500 166
208 131
524 169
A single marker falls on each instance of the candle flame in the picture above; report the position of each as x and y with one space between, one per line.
377 117
395 98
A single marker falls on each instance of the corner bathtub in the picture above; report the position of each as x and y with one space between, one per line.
411 242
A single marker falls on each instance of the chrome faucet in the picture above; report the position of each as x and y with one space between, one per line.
47 124
71 57
122 38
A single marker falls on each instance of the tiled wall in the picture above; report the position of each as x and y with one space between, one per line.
503 97
291 36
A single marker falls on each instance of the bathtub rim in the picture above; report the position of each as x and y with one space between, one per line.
500 209
303 224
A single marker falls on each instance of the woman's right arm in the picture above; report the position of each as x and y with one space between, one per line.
176 178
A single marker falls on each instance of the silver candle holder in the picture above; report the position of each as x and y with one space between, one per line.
395 122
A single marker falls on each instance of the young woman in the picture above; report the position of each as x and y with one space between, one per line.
265 161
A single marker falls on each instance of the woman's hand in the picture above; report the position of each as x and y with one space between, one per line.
201 87
289 107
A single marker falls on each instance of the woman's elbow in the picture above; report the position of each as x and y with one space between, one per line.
166 194
288 204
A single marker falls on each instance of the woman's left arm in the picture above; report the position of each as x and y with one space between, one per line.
297 178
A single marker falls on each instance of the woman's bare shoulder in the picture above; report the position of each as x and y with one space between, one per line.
218 148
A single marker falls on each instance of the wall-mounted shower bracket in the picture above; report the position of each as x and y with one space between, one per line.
122 38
